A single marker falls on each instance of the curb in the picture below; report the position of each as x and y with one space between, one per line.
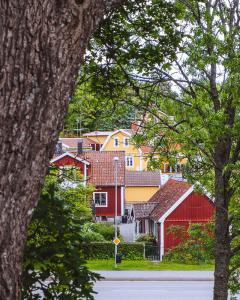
155 279
156 276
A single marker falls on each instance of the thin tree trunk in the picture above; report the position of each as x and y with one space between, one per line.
222 244
41 47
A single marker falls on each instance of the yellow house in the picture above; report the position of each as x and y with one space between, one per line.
135 158
140 186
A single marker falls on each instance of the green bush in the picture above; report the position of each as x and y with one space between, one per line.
98 232
107 230
147 238
89 236
105 250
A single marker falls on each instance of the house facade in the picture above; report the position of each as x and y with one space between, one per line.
99 170
104 168
136 158
175 203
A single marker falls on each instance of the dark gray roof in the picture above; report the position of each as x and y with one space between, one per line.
143 210
143 178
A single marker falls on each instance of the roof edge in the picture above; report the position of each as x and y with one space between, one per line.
176 204
70 155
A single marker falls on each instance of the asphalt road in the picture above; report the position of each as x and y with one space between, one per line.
154 290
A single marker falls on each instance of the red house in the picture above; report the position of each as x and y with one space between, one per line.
176 203
98 169
70 159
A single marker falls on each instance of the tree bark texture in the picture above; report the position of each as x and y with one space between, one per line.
41 47
222 234
222 246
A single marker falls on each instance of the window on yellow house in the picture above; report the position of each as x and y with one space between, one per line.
116 142
126 142
129 161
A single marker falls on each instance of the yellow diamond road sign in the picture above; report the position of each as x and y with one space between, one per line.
116 241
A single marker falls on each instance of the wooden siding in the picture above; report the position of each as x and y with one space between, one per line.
109 211
196 208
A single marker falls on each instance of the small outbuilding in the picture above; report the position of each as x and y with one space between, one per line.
175 203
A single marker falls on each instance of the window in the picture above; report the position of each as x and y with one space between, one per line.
142 226
116 142
100 199
126 142
129 161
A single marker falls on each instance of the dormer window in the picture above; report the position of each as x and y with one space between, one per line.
116 142
126 142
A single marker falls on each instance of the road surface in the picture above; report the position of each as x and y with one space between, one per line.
154 290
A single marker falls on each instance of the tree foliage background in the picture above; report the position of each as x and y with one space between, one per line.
54 264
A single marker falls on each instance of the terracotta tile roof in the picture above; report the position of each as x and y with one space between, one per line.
103 167
143 210
146 149
167 196
72 142
143 178
97 133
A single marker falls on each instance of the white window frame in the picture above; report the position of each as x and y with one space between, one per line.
126 139
99 205
116 139
126 161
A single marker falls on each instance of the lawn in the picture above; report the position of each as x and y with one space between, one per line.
145 265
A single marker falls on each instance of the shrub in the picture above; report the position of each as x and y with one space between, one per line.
130 251
147 238
98 232
107 230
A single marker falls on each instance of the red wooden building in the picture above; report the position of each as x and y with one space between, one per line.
70 159
98 169
176 203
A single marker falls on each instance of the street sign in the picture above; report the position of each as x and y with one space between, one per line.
116 241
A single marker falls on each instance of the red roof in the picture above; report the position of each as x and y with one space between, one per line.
143 178
103 167
72 142
146 149
167 196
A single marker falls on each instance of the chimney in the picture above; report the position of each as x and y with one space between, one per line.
79 147
58 148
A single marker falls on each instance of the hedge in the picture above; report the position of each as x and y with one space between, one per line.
105 250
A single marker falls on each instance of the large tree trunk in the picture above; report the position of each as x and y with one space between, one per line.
41 47
222 246
222 237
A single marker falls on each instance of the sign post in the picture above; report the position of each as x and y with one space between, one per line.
116 240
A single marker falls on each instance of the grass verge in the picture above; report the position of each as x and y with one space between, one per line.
145 265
